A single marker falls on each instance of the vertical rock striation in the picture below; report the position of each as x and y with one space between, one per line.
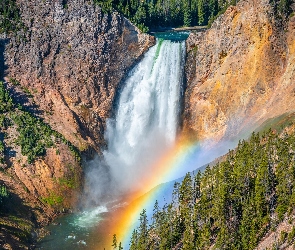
72 58
240 72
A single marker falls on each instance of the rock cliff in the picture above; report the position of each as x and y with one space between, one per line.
65 67
240 72
72 59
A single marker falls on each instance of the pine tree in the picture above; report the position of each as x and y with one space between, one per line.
143 231
187 17
134 241
213 8
115 242
284 8
201 12
197 186
156 215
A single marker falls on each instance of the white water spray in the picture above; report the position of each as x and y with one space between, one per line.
145 125
147 115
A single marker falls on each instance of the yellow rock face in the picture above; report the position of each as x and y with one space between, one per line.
241 74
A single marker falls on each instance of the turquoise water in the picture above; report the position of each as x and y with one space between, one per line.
173 36
85 230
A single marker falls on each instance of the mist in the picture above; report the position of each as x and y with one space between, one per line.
145 128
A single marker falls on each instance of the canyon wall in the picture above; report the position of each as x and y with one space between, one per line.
65 67
240 72
72 59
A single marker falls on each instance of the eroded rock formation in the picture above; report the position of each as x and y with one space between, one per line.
240 72
72 59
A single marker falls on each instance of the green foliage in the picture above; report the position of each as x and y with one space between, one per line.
6 103
291 235
283 236
1 147
2 150
152 14
52 199
14 81
106 5
115 242
134 240
19 226
27 91
34 136
142 27
3 193
233 204
284 7
149 14
68 182
10 19
143 231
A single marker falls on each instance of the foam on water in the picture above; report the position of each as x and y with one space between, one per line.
90 218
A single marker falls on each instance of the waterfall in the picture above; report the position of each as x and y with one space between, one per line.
144 126
147 115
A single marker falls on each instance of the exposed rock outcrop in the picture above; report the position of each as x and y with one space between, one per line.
280 237
38 192
240 72
72 59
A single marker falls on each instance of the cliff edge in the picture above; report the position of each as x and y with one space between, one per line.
61 73
72 59
240 72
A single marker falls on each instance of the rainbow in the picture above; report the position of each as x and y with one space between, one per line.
178 160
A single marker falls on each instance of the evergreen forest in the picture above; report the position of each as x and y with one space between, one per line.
231 205
10 18
148 14
154 14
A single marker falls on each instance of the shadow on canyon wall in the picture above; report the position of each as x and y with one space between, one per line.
3 67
